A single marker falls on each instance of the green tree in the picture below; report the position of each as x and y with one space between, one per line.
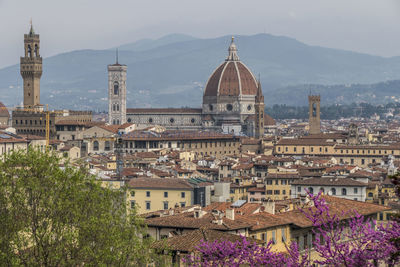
61 216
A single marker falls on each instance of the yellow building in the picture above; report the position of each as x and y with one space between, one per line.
153 194
201 143
358 155
278 185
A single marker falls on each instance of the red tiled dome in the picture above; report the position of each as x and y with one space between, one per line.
231 78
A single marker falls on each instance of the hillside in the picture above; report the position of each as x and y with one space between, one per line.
178 66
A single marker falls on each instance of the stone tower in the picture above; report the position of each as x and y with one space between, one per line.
314 120
31 69
259 112
117 93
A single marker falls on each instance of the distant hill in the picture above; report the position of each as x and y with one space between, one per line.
172 71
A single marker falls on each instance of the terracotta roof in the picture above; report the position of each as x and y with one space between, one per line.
305 142
125 125
246 209
329 181
342 207
163 110
268 120
160 183
231 78
187 220
176 135
188 242
110 128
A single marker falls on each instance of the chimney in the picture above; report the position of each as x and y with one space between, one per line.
230 214
198 213
269 207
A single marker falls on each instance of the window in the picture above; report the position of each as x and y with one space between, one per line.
269 181
229 107
283 192
133 204
192 120
132 193
322 190
183 204
150 120
351 161
182 194
356 190
277 192
295 149
148 207
283 234
269 192
311 190
362 161
299 189
165 194
370 194
333 190
147 193
116 88
165 205
107 146
273 237
95 145
344 191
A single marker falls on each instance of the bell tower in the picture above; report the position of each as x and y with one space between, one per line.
31 69
314 121
117 92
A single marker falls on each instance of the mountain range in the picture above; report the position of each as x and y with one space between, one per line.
173 70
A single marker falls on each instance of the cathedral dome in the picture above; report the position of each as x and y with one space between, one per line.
231 78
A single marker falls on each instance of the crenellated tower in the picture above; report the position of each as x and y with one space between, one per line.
31 69
314 121
259 112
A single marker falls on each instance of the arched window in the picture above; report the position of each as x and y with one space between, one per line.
29 51
113 107
370 194
96 146
344 191
322 190
107 146
117 121
311 190
116 88
117 107
36 50
333 190
314 110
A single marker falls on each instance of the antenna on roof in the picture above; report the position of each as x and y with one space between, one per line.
116 56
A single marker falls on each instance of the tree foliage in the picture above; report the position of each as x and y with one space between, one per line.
61 216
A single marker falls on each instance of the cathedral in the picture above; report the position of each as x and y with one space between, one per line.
233 102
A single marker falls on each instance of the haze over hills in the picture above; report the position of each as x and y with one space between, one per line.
172 72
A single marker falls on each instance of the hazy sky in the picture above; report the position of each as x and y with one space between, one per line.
370 26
